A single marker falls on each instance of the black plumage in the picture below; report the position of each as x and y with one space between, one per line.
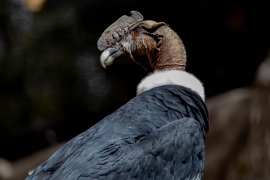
158 134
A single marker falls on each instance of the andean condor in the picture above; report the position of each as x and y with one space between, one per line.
157 135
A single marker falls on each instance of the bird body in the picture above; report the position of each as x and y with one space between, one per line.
144 139
159 134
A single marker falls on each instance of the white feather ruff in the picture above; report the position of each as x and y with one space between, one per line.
171 77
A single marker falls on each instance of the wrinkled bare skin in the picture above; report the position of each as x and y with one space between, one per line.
151 44
172 54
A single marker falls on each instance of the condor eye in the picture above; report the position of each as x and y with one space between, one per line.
135 32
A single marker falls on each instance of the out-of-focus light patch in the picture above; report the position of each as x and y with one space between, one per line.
92 74
21 19
236 18
51 136
263 72
1 48
34 5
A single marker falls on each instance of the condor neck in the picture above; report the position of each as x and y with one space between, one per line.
172 53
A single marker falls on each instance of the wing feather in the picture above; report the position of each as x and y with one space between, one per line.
162 154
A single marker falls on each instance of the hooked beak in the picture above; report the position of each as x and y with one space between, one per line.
109 55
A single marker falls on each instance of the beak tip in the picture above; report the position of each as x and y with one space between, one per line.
108 56
104 66
103 57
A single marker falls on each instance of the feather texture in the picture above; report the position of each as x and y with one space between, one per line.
169 77
159 134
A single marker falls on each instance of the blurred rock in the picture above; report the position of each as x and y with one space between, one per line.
238 144
6 170
19 169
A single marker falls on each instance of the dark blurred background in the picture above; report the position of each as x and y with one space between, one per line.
52 86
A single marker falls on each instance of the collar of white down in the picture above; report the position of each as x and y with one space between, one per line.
171 77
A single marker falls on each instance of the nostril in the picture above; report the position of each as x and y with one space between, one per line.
122 47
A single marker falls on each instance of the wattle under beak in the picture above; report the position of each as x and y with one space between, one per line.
109 55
